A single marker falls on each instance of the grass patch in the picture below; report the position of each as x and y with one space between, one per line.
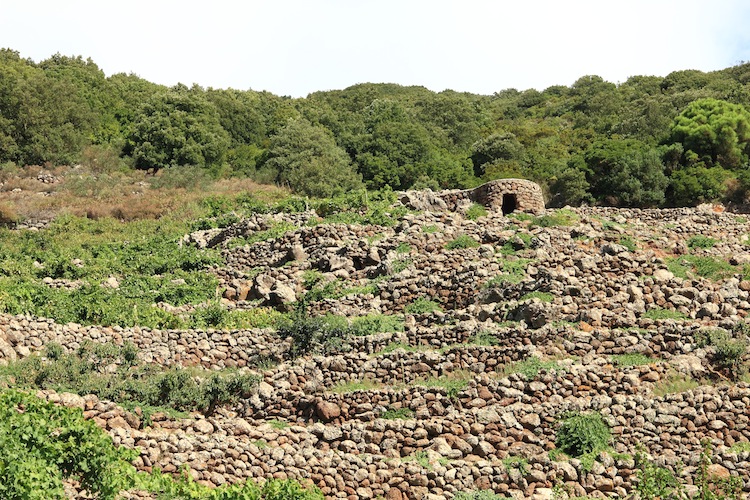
431 229
421 458
461 241
403 247
530 367
519 463
422 306
484 338
632 359
674 383
514 271
541 296
478 495
700 241
660 314
377 323
452 383
400 265
355 385
561 217
275 230
629 243
708 267
394 346
398 414
278 424
740 447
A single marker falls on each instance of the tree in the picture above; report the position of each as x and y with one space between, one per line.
42 119
396 150
698 184
626 172
717 131
175 128
500 150
306 158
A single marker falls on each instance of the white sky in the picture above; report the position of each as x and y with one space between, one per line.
294 47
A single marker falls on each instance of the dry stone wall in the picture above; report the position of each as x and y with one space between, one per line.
598 282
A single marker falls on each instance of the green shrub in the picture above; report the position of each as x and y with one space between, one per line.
476 211
318 334
583 433
377 323
422 306
41 444
728 351
629 243
700 241
88 371
462 241
655 482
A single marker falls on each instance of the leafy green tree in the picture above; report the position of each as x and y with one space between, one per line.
396 150
717 131
88 81
42 119
177 127
626 172
499 149
570 187
306 158
698 184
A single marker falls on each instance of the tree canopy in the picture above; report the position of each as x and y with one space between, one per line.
649 141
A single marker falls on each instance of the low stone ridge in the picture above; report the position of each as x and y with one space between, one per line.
608 312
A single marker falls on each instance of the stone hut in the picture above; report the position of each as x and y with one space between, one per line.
506 195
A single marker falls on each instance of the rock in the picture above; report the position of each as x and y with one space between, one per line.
117 423
718 471
708 310
265 390
297 253
203 426
531 421
282 294
662 275
689 364
327 411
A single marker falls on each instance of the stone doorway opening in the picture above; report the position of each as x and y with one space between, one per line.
510 203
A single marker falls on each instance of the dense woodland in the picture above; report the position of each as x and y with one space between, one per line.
649 141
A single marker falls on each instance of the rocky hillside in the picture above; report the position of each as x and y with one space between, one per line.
472 348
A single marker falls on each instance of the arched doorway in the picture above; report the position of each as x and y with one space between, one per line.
510 203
